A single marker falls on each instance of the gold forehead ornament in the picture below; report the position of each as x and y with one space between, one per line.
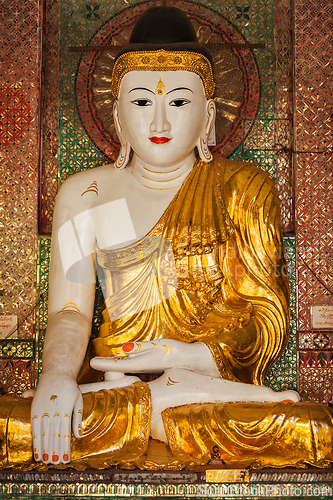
160 89
163 60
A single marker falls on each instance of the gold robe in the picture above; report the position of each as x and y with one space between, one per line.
230 285
211 270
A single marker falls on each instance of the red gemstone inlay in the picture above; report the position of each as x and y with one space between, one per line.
45 457
128 347
55 458
65 457
36 456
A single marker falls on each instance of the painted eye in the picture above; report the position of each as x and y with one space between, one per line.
179 102
142 102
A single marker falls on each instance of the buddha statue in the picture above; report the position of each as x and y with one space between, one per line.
189 253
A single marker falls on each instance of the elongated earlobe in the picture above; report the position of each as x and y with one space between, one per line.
125 147
123 156
202 145
203 149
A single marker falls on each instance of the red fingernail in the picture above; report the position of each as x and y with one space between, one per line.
80 432
65 457
45 457
128 347
55 458
36 456
287 401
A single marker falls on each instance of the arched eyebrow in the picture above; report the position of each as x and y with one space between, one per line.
141 88
179 88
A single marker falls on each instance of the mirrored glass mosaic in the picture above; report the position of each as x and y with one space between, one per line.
314 201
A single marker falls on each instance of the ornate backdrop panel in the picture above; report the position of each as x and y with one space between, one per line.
314 175
20 43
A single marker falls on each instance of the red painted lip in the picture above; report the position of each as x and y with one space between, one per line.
159 140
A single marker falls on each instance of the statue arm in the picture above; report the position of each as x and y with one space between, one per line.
68 331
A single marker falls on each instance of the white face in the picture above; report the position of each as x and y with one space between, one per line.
162 114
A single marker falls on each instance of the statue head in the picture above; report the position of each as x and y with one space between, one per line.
163 83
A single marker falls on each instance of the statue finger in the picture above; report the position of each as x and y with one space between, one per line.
118 365
36 437
46 442
131 348
55 438
108 364
77 416
65 438
145 362
28 393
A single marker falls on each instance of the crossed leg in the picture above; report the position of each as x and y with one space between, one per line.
179 386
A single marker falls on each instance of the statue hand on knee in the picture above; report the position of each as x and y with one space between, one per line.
159 355
55 402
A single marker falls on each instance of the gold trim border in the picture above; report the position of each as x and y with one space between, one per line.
138 491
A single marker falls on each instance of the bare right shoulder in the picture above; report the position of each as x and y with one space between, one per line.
85 190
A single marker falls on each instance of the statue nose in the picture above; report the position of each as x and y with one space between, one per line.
160 122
